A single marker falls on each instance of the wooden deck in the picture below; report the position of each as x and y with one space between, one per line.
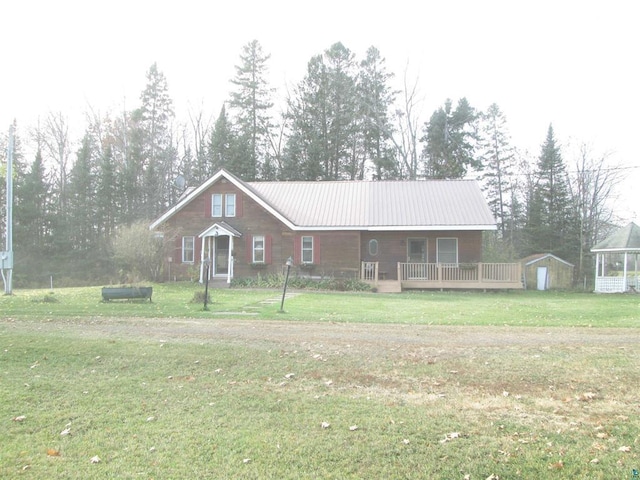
462 276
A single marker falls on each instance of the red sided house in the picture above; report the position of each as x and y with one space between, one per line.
398 234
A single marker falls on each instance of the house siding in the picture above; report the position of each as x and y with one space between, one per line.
392 248
337 253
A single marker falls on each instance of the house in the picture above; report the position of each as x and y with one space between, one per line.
410 234
544 271
617 261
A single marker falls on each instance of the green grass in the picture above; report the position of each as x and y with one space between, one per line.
174 409
437 308
199 406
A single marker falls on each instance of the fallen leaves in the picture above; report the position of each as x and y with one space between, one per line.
325 424
95 459
19 418
450 436
52 452
625 449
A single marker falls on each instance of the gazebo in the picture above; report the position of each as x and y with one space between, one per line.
614 256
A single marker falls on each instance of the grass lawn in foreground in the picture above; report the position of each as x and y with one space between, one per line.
438 308
82 380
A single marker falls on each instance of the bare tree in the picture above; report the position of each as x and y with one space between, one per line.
592 183
406 137
53 138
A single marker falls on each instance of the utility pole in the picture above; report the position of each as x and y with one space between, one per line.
6 256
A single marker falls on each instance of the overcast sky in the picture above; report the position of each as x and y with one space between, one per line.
570 63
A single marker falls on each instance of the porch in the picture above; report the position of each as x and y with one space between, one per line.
485 276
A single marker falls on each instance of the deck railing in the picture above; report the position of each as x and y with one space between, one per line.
450 275
460 272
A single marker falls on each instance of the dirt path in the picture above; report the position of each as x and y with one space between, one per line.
359 338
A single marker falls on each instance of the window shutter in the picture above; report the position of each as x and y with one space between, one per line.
316 250
267 249
297 250
197 247
207 206
177 251
239 204
249 248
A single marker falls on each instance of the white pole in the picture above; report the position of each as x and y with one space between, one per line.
7 256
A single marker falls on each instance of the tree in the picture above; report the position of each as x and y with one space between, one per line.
81 206
592 185
153 120
551 222
138 253
405 137
375 99
450 137
251 103
497 157
321 144
222 144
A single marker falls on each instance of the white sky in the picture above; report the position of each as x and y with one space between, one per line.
570 63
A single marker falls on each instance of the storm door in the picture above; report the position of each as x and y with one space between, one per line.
221 255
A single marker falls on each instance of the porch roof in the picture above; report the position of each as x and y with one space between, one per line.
626 239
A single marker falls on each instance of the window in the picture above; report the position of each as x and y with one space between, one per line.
307 249
230 205
373 247
188 249
258 249
216 205
447 250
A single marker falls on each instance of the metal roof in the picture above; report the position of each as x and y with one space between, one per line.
363 205
435 204
625 239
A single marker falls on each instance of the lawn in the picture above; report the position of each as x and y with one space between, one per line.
517 308
419 385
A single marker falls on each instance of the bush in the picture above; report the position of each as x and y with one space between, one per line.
302 283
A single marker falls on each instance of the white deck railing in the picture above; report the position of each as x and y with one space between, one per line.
460 272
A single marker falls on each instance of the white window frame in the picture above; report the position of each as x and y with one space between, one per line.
257 250
230 205
373 247
188 245
455 240
307 250
216 205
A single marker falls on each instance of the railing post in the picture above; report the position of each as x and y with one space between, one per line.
480 273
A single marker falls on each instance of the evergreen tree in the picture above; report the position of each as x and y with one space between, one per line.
376 98
222 148
251 103
154 120
450 140
497 157
551 222
81 209
323 117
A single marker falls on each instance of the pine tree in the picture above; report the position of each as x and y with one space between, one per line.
497 157
551 220
81 209
251 103
155 118
375 98
450 140
323 118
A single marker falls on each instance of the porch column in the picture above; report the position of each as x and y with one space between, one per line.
230 264
204 239
625 282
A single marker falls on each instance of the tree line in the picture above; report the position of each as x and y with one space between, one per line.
75 199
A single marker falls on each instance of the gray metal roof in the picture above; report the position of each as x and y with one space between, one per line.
625 239
358 205
437 204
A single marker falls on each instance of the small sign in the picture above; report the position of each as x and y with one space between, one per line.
6 260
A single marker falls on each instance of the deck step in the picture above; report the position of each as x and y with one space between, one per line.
388 286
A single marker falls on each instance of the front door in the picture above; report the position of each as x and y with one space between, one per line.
417 250
221 256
